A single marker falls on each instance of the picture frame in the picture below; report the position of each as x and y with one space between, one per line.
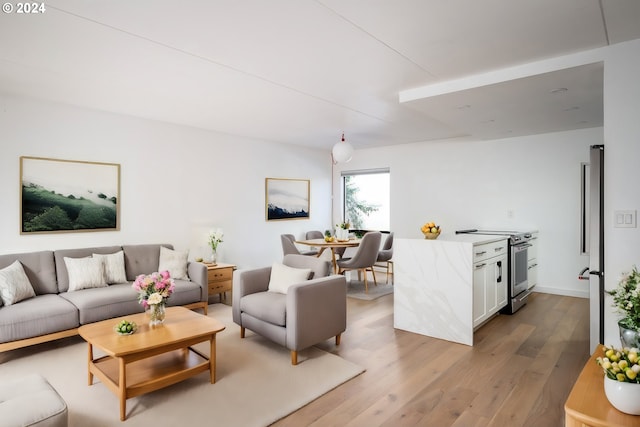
287 199
58 196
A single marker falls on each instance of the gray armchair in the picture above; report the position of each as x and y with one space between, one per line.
310 312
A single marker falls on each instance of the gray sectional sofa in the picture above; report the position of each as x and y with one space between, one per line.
55 312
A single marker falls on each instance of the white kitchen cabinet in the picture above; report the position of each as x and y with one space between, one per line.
532 261
489 281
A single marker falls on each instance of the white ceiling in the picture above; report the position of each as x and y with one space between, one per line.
304 71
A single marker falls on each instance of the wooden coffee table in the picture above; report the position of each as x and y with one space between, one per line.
153 357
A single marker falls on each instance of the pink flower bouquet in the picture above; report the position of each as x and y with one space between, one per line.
154 288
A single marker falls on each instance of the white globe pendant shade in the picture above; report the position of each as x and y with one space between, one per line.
342 151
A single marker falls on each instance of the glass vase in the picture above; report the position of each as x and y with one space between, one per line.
629 337
156 314
214 257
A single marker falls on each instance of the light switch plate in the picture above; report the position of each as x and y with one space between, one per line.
624 219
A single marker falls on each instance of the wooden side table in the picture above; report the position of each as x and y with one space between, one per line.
587 405
220 279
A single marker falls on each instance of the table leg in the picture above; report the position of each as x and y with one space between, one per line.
212 358
89 364
333 258
122 392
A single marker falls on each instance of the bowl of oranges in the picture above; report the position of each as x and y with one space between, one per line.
430 230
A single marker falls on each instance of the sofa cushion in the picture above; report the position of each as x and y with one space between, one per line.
39 267
113 267
61 268
141 259
14 284
283 276
185 292
320 267
85 273
175 262
31 401
267 306
43 314
104 303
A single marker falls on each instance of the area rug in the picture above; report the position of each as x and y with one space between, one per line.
256 383
355 289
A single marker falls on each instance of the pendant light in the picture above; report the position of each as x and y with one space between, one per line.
342 151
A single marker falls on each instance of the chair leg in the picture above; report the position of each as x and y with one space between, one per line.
366 285
390 267
242 331
338 339
387 281
294 357
375 282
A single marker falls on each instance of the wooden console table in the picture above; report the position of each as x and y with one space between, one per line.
587 405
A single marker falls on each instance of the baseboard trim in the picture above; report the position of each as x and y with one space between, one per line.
564 292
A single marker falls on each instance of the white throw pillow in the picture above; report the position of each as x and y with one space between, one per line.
85 273
283 276
14 284
175 262
113 267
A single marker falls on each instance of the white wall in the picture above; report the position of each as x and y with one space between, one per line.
176 182
477 184
622 166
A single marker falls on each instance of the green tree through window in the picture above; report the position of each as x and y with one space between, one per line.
366 199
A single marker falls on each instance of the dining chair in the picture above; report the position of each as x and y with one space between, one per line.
289 246
384 257
364 258
314 234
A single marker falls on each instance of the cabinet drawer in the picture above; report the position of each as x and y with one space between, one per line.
217 287
219 274
489 250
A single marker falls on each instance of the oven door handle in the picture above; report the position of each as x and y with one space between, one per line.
522 246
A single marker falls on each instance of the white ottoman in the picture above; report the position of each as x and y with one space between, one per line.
31 401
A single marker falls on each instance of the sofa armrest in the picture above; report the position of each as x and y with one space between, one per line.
197 272
316 311
248 282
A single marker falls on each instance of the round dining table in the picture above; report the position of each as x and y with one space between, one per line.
321 244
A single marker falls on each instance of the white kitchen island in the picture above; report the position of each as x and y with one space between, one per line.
442 286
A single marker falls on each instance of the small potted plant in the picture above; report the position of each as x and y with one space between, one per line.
626 298
622 378
342 231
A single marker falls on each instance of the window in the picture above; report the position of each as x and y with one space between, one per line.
366 196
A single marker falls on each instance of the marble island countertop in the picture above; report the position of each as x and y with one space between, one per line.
434 290
476 239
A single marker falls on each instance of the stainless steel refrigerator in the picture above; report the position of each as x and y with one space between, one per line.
592 240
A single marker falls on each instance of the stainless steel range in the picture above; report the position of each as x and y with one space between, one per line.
518 291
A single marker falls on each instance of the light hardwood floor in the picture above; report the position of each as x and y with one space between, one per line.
519 372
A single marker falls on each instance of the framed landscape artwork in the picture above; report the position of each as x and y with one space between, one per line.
68 196
287 198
